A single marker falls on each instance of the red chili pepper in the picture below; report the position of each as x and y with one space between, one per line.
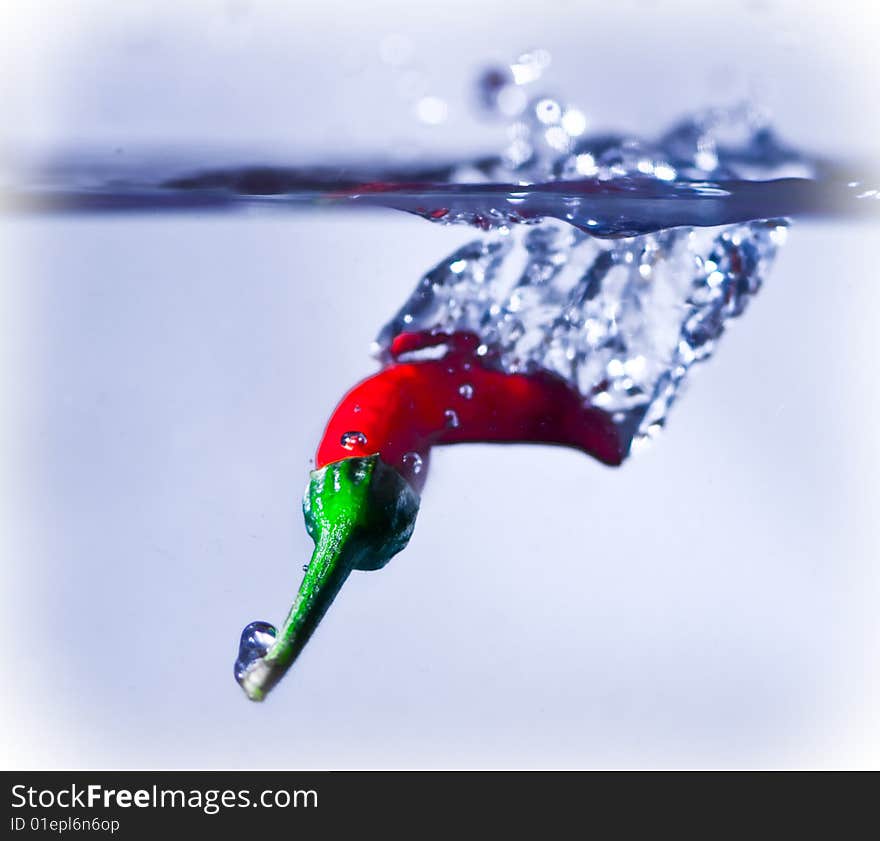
361 504
410 406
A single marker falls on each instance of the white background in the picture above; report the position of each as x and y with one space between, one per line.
165 381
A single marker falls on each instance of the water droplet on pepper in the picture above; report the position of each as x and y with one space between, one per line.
452 421
414 462
350 440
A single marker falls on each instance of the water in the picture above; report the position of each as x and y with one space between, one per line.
612 262
614 285
620 320
714 167
256 639
630 193
643 263
352 439
649 554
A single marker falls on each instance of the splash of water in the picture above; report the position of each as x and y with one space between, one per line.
610 260
621 319
716 167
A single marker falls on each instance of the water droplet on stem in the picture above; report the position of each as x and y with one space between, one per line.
256 639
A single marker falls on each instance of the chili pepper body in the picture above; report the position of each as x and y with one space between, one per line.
460 397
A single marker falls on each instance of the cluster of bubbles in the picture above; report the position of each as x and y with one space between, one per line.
620 320
548 137
548 143
541 127
352 440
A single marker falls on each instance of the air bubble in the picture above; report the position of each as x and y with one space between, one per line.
466 391
452 421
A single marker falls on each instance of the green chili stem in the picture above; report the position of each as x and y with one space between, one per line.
360 512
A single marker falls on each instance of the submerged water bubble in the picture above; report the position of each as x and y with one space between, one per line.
256 639
350 440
